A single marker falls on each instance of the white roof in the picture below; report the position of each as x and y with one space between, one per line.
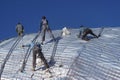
75 59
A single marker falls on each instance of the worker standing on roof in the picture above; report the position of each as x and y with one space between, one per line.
19 29
84 31
45 27
37 52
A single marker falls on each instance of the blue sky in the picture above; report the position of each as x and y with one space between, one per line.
60 13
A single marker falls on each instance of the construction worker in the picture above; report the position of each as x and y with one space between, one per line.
19 29
65 31
84 31
45 27
37 52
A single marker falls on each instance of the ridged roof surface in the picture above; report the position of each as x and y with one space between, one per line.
74 59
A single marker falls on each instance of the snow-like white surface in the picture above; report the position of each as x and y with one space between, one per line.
98 59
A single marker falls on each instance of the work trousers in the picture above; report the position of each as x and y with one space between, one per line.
86 32
37 51
44 29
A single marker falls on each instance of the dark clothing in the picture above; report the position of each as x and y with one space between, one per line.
19 29
84 32
37 51
44 26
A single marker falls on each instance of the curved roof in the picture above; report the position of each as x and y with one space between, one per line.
70 58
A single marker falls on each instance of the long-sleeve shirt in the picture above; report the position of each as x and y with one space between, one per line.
19 27
32 44
44 22
82 29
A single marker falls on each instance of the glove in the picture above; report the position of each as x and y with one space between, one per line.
23 46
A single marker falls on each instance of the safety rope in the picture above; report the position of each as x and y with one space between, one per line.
28 54
9 54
